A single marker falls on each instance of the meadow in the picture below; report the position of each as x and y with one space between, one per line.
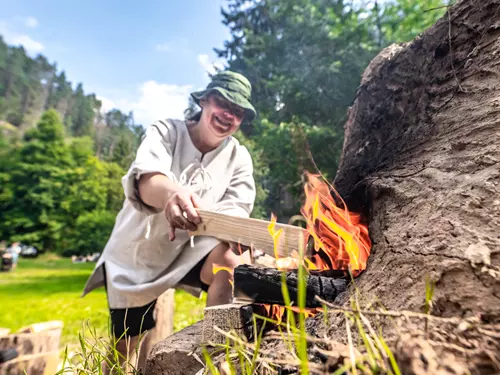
49 288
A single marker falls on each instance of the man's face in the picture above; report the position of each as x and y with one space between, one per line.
221 117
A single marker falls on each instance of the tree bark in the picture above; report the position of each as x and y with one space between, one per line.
421 154
421 160
179 354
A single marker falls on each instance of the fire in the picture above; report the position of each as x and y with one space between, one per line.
341 241
277 312
217 268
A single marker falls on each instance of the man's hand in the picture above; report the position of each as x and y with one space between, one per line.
180 211
178 202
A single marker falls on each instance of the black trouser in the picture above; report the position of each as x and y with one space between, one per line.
137 320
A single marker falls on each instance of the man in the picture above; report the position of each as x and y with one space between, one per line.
179 166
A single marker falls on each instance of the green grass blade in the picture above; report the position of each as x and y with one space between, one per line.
394 364
302 341
209 362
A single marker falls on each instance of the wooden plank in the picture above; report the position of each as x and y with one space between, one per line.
250 232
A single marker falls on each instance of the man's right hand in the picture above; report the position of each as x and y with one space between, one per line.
178 202
180 210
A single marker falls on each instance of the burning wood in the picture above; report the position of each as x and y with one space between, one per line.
341 240
264 286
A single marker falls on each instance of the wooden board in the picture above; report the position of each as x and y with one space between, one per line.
164 316
250 232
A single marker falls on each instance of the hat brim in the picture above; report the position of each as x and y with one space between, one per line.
231 96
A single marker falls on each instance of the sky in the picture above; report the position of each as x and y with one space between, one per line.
141 56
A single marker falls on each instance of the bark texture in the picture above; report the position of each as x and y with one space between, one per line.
421 156
421 160
178 354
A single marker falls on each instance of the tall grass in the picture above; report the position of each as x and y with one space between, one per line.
369 354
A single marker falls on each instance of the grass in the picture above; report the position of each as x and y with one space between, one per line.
50 287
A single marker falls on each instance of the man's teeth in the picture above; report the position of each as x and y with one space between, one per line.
222 122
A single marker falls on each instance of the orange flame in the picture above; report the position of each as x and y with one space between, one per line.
341 241
277 312
217 268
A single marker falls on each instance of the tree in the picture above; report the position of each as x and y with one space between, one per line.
82 115
38 185
123 152
304 59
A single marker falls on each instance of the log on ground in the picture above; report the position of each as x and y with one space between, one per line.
264 285
179 354
232 317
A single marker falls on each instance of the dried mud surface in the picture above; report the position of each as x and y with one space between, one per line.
421 159
422 153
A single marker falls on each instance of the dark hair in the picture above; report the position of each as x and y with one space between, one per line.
192 115
195 116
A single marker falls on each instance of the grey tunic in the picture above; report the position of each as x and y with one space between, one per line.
141 262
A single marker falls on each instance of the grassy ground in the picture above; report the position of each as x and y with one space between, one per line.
49 288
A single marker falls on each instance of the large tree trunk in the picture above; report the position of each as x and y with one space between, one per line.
421 159
422 152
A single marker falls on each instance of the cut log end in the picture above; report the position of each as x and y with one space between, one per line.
230 317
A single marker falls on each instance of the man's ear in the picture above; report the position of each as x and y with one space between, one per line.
202 102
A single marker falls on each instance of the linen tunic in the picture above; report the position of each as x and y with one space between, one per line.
140 260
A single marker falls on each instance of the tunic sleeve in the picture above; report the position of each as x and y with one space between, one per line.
239 198
153 155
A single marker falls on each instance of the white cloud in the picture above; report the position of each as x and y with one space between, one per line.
153 101
106 104
210 66
160 100
16 38
162 47
27 42
31 22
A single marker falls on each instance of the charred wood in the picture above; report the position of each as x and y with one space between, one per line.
264 285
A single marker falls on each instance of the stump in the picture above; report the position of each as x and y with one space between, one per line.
178 354
37 347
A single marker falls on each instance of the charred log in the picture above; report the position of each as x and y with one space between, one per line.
264 285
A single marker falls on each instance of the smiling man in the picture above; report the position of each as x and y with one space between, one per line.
179 166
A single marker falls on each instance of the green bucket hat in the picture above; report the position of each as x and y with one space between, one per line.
234 87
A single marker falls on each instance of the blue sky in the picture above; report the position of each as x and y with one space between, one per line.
144 56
